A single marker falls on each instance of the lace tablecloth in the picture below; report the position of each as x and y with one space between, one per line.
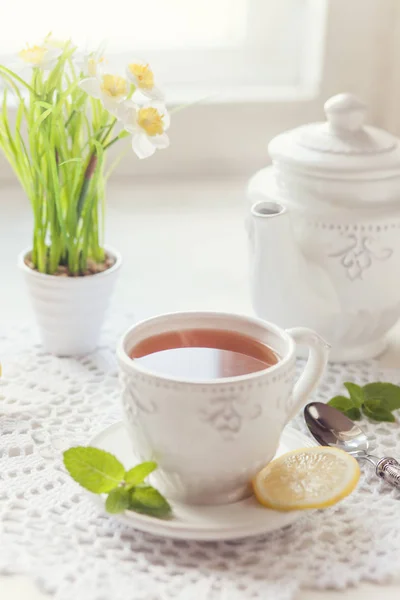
50 531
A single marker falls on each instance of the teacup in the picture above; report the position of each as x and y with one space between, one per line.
209 438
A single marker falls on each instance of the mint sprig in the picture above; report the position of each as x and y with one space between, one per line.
101 472
376 400
139 473
118 500
96 470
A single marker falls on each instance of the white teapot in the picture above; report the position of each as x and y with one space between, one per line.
324 230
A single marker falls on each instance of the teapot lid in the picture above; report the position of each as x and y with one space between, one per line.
342 146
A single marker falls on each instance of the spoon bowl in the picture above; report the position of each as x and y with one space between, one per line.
330 427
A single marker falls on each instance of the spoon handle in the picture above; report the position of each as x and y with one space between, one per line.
389 470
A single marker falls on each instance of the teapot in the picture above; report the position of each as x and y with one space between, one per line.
324 231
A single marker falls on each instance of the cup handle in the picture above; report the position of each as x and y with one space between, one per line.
318 352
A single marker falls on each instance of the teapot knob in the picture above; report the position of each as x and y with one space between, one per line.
345 112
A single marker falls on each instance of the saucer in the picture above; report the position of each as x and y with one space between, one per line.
208 523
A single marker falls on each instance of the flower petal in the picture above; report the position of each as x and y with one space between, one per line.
47 65
138 61
109 103
100 50
53 53
142 146
112 108
52 42
130 76
166 119
134 61
131 128
155 94
122 113
160 141
131 104
91 86
127 113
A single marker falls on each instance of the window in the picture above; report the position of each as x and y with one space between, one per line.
256 66
226 49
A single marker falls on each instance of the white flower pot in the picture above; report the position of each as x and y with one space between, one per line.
70 310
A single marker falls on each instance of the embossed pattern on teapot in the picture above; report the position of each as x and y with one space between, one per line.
333 234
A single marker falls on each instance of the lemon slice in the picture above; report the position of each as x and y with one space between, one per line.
307 478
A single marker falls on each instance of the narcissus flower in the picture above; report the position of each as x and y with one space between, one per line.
92 64
42 57
148 125
52 42
110 89
140 74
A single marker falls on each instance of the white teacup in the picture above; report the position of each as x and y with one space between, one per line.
209 438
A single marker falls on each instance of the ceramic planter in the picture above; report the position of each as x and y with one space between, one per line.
70 310
323 225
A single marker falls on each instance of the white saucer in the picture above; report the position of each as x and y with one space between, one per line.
223 522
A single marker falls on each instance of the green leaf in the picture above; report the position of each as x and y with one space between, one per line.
70 160
139 473
341 403
117 500
44 104
375 409
388 392
40 120
96 470
356 393
147 500
345 405
353 413
17 78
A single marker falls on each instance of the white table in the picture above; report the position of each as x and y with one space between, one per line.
184 247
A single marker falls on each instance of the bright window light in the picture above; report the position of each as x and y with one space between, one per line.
207 47
148 24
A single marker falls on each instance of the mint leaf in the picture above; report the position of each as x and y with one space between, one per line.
341 403
353 413
147 500
346 406
375 409
387 392
139 473
356 393
117 500
96 470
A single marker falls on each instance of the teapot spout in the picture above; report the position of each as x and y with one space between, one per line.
286 287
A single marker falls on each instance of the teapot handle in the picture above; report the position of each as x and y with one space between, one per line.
317 360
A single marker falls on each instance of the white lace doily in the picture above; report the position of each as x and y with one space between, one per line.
50 531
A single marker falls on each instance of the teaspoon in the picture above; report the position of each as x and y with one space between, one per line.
330 427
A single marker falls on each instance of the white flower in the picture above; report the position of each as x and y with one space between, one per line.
110 89
140 74
52 42
148 125
42 57
91 63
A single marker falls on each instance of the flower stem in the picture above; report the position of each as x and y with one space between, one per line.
86 181
108 130
120 136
